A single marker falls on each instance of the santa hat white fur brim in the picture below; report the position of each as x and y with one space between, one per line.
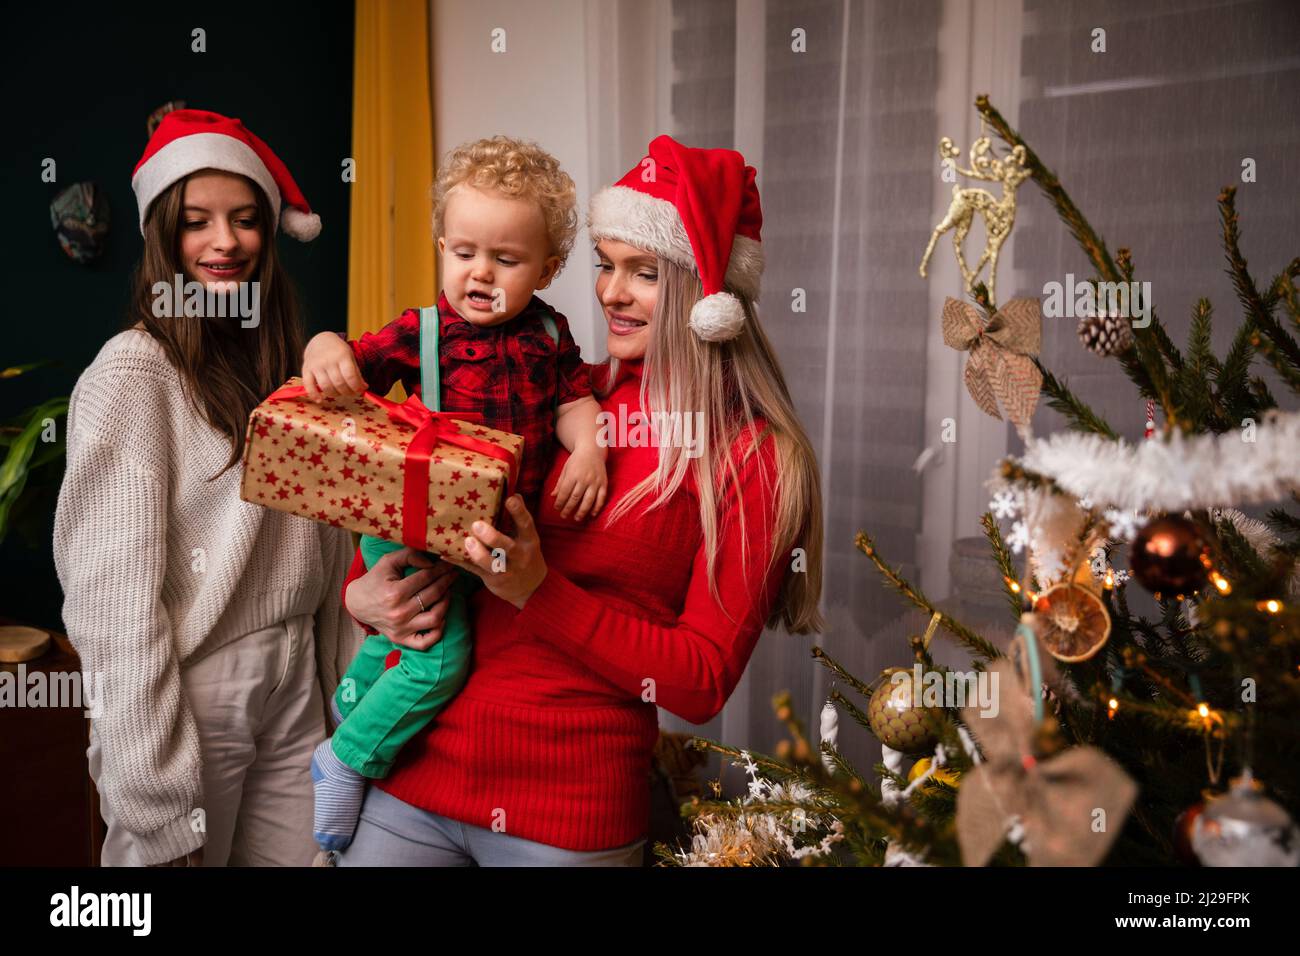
641 220
189 154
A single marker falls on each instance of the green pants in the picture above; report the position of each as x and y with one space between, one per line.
384 707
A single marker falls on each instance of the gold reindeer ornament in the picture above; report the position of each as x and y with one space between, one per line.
999 212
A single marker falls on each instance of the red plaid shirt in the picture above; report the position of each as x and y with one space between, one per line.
511 374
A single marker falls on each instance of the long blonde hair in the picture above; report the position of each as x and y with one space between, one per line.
732 383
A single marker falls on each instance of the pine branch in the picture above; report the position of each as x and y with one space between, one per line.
1079 227
1233 378
1149 341
858 715
840 673
1148 349
1195 378
1244 560
977 645
1284 286
842 766
1267 347
1259 391
1130 361
1200 354
1061 399
1124 262
1003 557
1283 522
1259 308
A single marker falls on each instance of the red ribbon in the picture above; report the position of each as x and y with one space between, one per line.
431 428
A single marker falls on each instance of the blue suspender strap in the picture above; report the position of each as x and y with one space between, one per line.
430 369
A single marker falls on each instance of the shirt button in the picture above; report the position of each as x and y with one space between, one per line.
469 351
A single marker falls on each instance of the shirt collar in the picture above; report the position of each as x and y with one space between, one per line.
453 320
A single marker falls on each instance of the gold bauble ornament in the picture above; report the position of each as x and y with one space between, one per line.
897 722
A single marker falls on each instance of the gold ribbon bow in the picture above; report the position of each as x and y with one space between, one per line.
1071 805
1000 369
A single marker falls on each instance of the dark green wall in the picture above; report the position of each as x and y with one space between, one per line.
79 83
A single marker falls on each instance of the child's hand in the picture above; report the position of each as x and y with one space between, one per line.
582 485
329 369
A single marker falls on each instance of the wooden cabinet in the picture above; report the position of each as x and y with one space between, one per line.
49 808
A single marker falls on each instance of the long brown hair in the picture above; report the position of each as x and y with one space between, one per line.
733 383
225 369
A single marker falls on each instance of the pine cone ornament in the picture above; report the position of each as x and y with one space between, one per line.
1105 334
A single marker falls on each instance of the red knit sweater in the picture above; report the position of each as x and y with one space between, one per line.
553 733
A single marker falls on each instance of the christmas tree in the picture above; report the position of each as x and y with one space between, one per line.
1099 735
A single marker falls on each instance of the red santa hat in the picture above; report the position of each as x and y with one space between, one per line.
697 208
189 140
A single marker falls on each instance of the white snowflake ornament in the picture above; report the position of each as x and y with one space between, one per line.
1005 504
1019 537
1123 524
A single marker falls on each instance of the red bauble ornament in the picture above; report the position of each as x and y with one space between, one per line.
1170 557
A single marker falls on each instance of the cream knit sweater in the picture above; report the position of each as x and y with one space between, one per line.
160 567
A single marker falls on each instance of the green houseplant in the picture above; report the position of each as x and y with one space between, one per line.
32 445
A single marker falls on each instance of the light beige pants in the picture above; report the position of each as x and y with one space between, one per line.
260 715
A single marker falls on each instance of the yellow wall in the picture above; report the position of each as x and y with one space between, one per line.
391 264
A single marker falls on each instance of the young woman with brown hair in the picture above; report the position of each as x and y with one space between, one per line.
210 622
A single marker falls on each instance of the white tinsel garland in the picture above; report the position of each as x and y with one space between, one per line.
760 838
1202 471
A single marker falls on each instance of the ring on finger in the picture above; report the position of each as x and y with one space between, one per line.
422 607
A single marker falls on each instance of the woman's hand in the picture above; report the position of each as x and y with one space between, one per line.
518 569
329 369
391 603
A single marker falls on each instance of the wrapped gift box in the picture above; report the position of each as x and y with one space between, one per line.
395 471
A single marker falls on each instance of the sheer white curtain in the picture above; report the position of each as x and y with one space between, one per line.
843 130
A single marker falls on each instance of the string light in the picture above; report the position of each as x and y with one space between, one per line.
1220 582
1111 706
1206 716
1272 605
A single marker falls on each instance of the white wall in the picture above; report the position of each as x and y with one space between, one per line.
537 90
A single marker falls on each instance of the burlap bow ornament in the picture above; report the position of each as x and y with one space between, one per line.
1068 807
1000 368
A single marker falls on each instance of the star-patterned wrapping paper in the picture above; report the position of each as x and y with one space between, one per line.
345 461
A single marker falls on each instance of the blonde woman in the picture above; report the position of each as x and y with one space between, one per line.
543 757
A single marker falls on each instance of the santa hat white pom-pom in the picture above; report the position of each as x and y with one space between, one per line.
718 317
303 226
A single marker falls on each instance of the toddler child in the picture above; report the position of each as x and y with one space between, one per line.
505 218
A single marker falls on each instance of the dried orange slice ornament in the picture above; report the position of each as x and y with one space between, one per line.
1074 622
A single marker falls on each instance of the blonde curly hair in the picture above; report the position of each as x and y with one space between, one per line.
517 168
